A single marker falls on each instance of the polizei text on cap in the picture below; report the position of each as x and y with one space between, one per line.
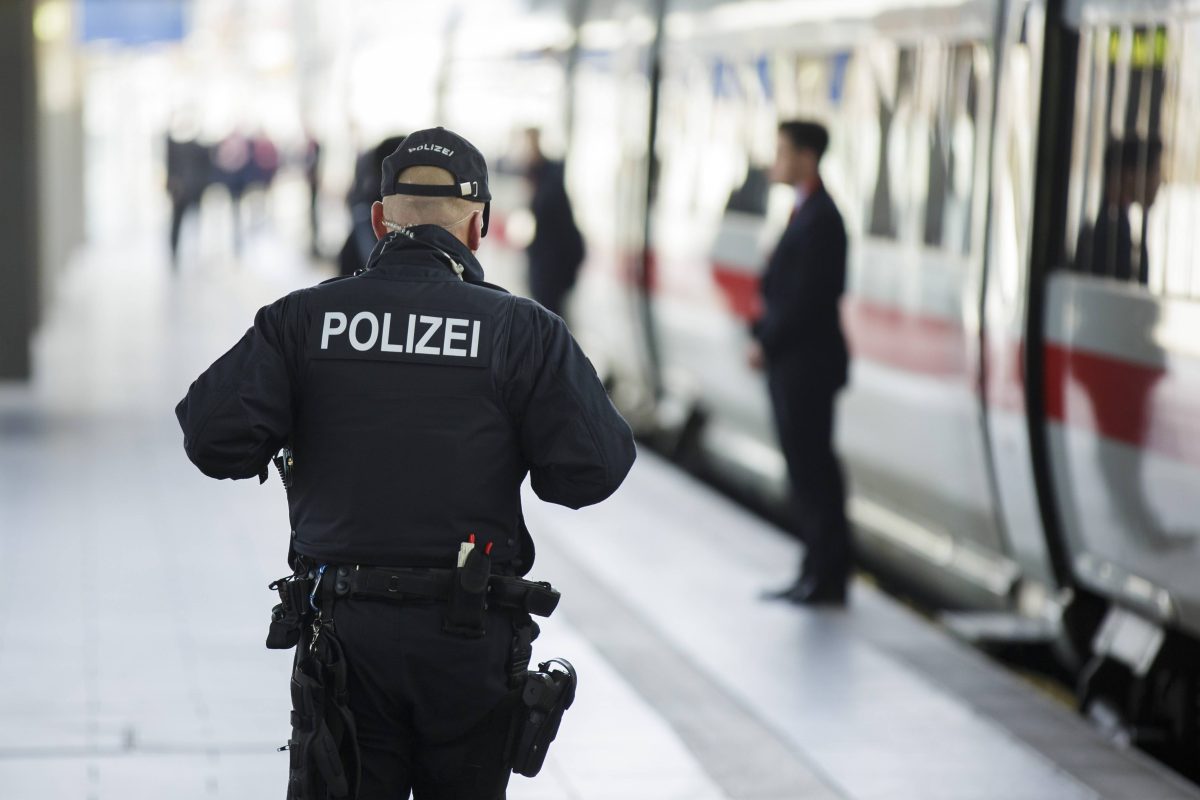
434 148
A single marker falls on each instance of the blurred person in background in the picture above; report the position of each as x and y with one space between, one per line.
233 159
261 172
264 166
557 250
798 339
189 172
363 194
264 156
310 161
415 398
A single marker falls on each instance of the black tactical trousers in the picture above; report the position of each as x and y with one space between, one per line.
432 709
804 419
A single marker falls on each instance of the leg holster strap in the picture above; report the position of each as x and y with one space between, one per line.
325 759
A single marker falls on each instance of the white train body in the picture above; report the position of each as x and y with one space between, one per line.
1018 434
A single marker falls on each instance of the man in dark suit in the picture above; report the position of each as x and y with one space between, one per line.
557 249
799 341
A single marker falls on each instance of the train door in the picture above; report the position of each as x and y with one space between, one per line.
715 218
1007 286
910 425
1122 314
608 177
580 74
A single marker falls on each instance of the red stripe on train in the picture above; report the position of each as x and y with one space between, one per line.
876 332
1145 406
891 336
740 290
1139 405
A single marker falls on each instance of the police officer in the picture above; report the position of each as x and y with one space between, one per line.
415 398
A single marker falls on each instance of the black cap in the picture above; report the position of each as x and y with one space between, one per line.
438 147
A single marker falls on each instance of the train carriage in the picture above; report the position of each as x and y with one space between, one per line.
1020 182
906 92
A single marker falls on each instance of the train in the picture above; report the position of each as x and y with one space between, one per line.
1020 182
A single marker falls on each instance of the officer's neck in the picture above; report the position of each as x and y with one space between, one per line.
440 240
443 237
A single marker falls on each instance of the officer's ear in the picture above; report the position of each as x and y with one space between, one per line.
377 220
475 231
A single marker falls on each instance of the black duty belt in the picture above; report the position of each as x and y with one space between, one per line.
407 584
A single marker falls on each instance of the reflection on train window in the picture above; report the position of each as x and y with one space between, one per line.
751 196
717 131
894 85
905 137
925 103
1135 207
952 76
708 142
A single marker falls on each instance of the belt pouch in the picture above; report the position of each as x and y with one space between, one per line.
285 629
468 596
290 614
541 599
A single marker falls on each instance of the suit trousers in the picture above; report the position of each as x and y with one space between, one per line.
804 410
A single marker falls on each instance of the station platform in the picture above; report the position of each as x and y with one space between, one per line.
134 607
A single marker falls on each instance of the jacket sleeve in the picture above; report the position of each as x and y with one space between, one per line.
238 413
807 273
577 446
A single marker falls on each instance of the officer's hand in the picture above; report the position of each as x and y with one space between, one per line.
754 356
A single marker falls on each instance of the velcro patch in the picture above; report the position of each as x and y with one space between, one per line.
421 337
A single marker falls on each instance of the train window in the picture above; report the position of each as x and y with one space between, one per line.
1174 226
925 103
1135 204
715 128
751 196
818 88
953 82
894 81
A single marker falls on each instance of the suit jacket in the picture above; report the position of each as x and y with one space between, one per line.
800 330
557 249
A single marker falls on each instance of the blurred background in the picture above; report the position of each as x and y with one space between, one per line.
1020 183
281 98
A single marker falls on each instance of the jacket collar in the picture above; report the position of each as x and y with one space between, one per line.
425 245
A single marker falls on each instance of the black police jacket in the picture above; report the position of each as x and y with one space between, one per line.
415 404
